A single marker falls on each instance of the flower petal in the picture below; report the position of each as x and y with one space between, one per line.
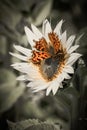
23 50
27 69
30 36
36 31
61 85
24 58
73 57
24 78
21 78
65 75
60 78
57 29
48 90
70 41
73 48
63 38
55 87
46 28
22 67
34 84
31 70
38 85
68 69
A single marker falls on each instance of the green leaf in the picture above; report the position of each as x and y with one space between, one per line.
33 125
41 11
67 106
80 80
22 124
43 126
3 45
31 108
7 79
81 40
73 97
7 99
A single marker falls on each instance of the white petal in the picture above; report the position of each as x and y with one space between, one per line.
63 38
48 90
40 87
73 57
70 41
20 64
57 29
23 50
30 36
35 84
21 78
31 70
24 58
22 67
55 87
65 75
36 31
46 28
69 69
34 74
61 85
24 77
73 48
60 78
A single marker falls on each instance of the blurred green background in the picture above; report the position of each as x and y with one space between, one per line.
67 110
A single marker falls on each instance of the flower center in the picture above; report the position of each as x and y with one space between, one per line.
50 57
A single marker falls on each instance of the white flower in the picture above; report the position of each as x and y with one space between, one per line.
49 61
